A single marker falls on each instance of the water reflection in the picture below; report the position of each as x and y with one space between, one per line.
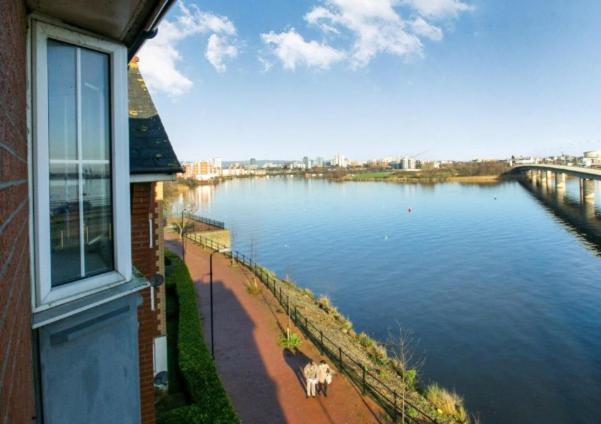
566 205
501 294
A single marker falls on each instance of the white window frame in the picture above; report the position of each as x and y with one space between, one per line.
47 296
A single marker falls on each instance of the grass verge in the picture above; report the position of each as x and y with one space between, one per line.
196 395
447 402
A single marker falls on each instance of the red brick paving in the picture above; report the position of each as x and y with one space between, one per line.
264 384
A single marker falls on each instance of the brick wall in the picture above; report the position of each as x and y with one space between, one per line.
16 379
161 295
145 260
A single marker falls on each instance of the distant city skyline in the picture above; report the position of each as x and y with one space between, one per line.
457 79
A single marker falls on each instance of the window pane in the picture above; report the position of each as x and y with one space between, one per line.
65 239
95 105
62 117
80 163
98 218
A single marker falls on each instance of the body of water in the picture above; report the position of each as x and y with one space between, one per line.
503 297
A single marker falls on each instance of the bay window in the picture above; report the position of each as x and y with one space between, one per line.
81 164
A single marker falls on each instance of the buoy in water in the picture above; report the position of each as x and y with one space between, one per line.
409 210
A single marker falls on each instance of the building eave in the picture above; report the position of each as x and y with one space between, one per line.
149 178
129 22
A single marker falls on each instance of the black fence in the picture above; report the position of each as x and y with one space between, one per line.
207 221
395 402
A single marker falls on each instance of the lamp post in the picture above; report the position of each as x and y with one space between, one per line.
183 240
183 235
225 250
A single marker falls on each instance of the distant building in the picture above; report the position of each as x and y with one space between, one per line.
340 161
319 161
429 164
217 163
297 165
592 158
522 160
202 170
408 163
307 162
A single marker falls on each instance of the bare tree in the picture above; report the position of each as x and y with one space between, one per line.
402 350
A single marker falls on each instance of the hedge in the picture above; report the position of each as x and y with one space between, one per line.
210 401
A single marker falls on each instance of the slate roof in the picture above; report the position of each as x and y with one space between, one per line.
150 151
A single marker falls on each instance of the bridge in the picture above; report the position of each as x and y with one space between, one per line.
554 176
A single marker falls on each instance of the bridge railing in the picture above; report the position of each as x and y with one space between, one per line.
204 220
395 402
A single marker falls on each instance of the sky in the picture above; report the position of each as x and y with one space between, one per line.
434 79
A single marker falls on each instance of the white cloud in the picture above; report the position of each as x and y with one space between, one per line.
377 26
267 65
160 56
421 27
438 8
292 50
219 48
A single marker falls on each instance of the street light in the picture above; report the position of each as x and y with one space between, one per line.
182 229
225 250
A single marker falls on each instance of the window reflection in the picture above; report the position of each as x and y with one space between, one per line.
64 229
80 167
97 218
62 117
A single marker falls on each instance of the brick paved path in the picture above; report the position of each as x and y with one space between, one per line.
264 384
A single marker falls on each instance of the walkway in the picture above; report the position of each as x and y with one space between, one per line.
264 384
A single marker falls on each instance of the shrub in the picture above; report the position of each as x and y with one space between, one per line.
410 377
412 412
309 293
290 342
253 287
347 325
447 402
364 339
211 403
324 303
378 353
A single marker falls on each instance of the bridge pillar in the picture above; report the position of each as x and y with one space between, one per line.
534 176
543 179
560 186
548 177
560 180
587 191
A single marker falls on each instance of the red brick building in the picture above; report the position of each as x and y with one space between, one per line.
152 161
78 324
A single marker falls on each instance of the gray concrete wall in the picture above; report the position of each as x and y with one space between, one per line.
89 366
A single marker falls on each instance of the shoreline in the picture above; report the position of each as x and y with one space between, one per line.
469 179
366 353
476 179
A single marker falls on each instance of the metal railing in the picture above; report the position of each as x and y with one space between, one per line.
207 221
394 402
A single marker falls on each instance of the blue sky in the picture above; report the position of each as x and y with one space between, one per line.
455 79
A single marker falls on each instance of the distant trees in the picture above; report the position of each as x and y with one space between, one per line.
189 182
470 169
